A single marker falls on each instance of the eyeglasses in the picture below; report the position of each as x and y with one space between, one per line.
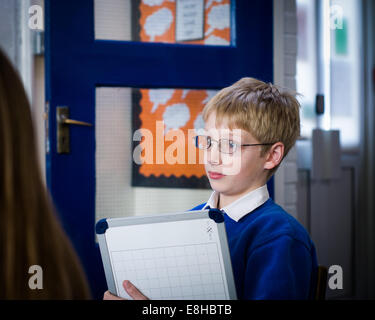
225 145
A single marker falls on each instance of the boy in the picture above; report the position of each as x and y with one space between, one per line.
272 254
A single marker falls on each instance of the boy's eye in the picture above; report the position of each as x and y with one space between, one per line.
228 146
232 145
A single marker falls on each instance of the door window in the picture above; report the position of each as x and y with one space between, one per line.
168 21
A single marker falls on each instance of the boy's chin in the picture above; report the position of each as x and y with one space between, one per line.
220 185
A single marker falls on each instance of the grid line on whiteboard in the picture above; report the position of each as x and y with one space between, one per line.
177 272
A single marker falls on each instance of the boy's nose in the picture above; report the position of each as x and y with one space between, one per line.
214 155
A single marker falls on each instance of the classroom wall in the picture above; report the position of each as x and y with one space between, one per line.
15 39
285 59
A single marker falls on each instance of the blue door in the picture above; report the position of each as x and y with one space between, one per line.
76 64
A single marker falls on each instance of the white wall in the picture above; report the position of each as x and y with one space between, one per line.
15 37
285 59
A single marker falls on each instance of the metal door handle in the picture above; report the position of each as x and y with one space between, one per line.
64 120
63 130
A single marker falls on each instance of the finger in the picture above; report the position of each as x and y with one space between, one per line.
109 296
133 291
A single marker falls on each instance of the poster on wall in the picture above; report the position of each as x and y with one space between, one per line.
183 21
189 20
165 122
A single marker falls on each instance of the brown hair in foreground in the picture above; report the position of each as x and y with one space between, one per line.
267 112
29 230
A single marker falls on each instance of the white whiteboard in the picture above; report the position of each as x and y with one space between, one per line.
181 256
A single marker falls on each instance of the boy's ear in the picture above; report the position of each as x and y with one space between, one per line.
274 156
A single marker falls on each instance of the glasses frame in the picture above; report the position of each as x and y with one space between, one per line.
195 138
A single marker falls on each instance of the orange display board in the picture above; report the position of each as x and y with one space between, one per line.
165 122
157 22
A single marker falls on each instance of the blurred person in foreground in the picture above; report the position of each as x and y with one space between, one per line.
29 229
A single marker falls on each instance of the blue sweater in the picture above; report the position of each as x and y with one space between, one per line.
272 255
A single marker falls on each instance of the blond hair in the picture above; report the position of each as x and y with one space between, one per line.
30 232
267 112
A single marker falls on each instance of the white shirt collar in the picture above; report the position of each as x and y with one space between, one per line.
242 206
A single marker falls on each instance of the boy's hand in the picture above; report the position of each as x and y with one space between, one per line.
130 289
